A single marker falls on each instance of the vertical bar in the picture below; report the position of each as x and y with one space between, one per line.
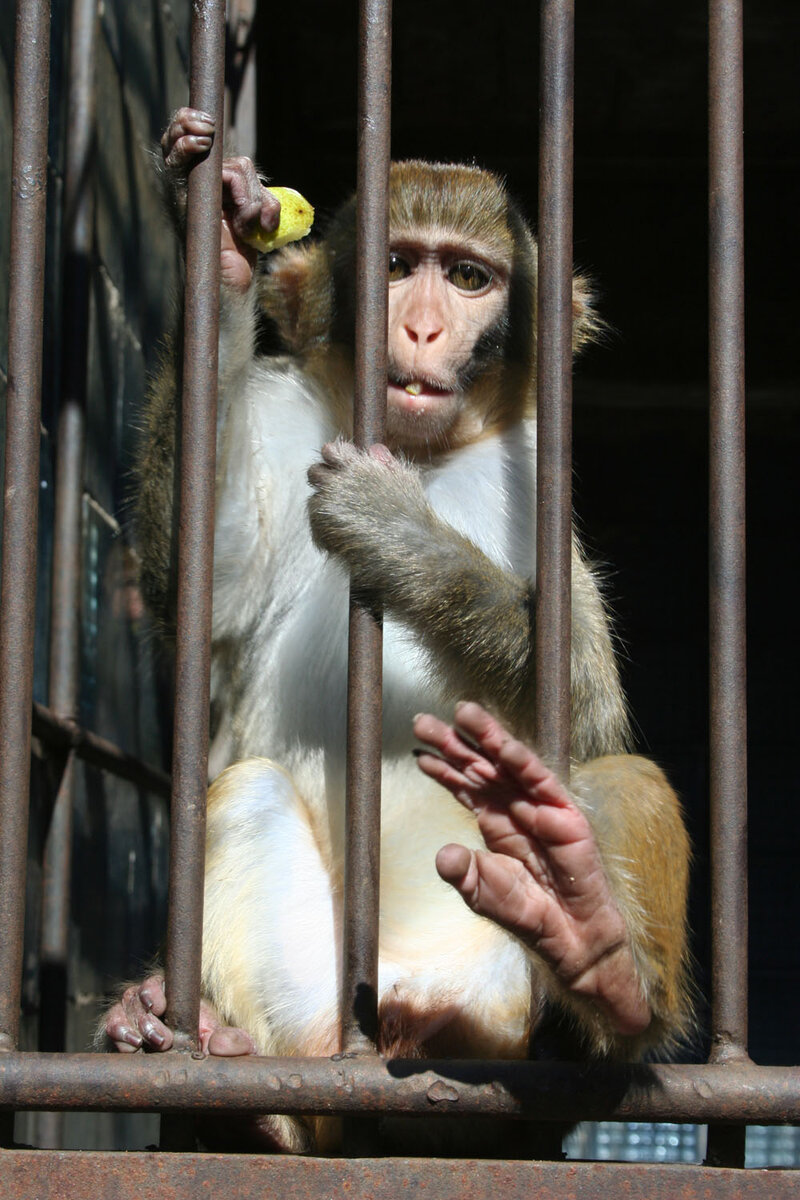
554 384
728 703
196 536
360 968
21 498
66 581
727 534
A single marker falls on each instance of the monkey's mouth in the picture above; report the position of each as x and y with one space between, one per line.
416 393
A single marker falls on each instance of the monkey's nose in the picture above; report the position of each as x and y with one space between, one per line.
423 333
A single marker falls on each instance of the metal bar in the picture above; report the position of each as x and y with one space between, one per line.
358 1084
67 734
364 684
107 1176
727 639
196 541
728 733
66 580
21 498
554 385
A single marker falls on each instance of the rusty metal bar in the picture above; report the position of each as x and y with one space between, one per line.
68 735
728 735
21 498
364 684
196 538
554 384
727 639
66 579
356 1084
99 1174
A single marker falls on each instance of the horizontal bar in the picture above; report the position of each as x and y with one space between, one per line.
49 1175
739 1091
68 735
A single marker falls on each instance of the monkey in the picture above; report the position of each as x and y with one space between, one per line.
504 893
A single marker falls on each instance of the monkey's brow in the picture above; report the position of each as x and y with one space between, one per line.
491 254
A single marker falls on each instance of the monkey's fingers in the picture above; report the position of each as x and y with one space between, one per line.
460 753
133 1023
442 772
513 758
189 134
248 207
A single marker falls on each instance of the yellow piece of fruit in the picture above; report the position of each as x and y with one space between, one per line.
297 217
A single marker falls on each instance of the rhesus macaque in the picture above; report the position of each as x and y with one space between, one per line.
584 889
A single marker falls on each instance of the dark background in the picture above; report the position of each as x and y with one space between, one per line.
465 86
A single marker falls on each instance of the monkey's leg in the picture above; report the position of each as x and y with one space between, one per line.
637 820
271 942
271 928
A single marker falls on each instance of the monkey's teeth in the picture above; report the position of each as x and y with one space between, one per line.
414 389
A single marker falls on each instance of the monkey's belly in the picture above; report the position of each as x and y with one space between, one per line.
448 980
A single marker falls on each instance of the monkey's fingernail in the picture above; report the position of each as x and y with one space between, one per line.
131 1038
153 1036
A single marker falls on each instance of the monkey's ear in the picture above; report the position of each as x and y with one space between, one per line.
587 326
296 294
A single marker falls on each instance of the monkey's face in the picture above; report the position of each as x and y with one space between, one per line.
447 307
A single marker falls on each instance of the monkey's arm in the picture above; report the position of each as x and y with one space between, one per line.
246 204
595 889
475 617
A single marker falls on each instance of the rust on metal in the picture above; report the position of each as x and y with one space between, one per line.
727 639
58 1175
196 534
728 725
362 1084
554 384
21 498
65 605
98 752
364 685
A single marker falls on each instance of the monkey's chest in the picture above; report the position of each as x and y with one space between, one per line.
307 659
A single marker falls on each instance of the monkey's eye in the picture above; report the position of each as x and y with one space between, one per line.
398 268
469 277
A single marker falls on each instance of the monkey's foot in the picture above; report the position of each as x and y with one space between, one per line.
541 876
134 1023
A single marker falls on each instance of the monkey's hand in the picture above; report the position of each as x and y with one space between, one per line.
134 1023
248 208
541 876
369 509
